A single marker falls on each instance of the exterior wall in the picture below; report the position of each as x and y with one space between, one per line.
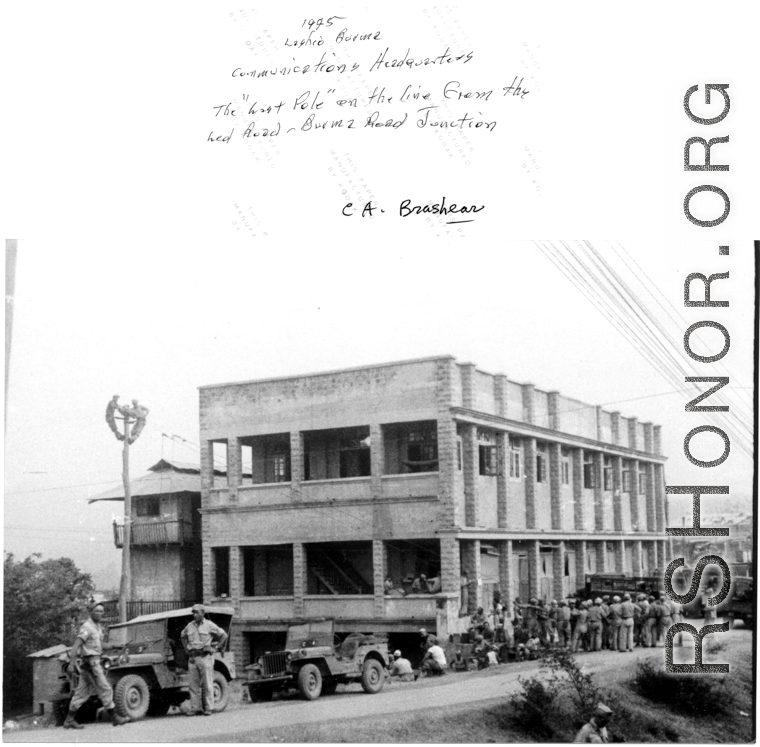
454 503
157 574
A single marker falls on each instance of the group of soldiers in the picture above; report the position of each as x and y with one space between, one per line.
616 623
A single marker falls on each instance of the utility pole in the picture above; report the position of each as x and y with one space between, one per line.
125 589
136 416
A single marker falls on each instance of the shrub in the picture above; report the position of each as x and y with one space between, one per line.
697 695
529 709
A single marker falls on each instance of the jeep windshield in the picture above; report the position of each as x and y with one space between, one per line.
311 634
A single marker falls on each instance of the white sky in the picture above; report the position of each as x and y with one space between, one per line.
133 280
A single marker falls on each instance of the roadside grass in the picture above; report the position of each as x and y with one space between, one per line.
637 718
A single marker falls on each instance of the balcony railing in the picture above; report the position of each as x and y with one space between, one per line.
135 609
173 532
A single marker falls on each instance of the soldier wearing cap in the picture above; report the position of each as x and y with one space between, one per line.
595 731
615 618
581 627
402 668
564 628
88 648
200 639
627 614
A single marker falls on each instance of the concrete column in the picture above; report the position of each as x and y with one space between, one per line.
651 549
529 402
620 556
651 522
378 568
451 565
598 491
581 562
208 568
236 577
662 554
633 467
615 426
506 576
299 578
502 481
555 484
296 465
377 459
500 394
470 469
638 560
659 497
577 457
657 439
648 438
601 556
530 482
207 465
534 568
467 372
617 493
555 417
598 413
632 437
470 550
446 382
234 467
558 571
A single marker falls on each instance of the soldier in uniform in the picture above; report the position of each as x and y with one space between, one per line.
564 628
92 679
615 618
595 625
200 639
595 731
581 626
627 615
665 619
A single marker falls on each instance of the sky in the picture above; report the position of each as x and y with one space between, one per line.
152 261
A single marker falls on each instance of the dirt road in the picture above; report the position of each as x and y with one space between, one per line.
243 722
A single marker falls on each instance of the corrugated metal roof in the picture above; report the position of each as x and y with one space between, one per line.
163 478
48 652
185 611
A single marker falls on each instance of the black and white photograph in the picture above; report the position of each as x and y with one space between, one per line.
380 374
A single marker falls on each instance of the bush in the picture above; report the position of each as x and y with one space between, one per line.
696 694
556 703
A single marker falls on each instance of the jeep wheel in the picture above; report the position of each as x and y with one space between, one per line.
131 696
373 677
310 682
220 691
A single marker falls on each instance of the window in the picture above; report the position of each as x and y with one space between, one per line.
337 453
488 455
589 474
265 459
268 571
626 478
642 480
221 556
148 506
411 447
515 458
565 465
608 474
541 465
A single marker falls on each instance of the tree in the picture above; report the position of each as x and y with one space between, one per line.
44 603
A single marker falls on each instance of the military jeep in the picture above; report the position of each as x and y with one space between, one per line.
315 664
146 664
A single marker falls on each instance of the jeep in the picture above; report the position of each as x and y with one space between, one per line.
314 665
147 666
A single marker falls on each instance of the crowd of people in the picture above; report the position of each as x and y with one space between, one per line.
617 623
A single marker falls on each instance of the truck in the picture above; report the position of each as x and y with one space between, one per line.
146 665
315 663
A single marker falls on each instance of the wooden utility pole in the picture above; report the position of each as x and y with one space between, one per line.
125 590
136 416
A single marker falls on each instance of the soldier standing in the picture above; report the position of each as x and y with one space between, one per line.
200 639
563 624
595 625
92 679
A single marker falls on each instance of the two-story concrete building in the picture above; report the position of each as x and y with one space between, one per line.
424 466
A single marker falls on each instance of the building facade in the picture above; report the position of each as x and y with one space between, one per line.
166 560
342 487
